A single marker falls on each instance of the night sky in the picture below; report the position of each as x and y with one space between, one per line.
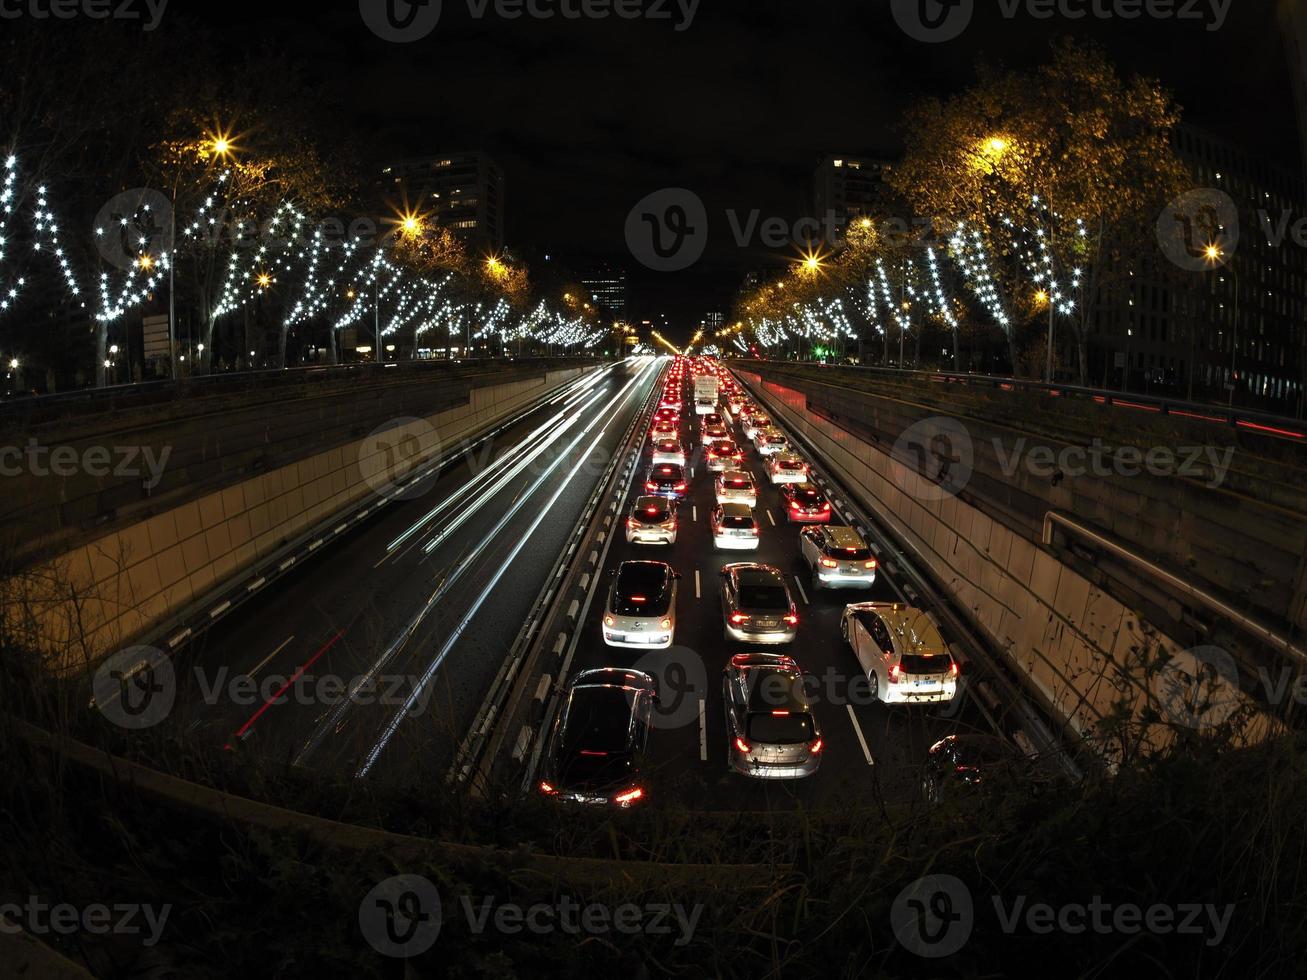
587 117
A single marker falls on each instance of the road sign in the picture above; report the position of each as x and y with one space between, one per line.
155 331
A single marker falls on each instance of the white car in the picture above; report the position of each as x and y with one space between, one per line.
754 423
712 418
715 433
734 487
668 451
787 468
902 653
771 441
724 455
641 608
652 521
734 528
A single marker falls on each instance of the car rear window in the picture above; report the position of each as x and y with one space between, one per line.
667 472
738 482
768 729
641 590
809 498
849 554
652 513
598 720
790 464
917 663
768 598
737 520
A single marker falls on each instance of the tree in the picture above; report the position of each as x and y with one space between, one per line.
1060 173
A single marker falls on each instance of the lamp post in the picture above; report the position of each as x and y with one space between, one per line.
1214 254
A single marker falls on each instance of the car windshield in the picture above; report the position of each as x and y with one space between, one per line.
766 728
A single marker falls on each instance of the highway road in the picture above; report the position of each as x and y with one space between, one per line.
871 750
371 658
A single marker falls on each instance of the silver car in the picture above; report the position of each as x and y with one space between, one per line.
756 605
668 451
837 557
771 441
734 528
770 729
736 487
652 521
641 609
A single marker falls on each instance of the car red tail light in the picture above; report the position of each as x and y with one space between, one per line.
869 565
738 618
780 712
632 523
680 486
667 624
795 505
792 619
825 506
829 563
953 669
896 674
650 485
742 746
815 748
630 796
547 789
609 621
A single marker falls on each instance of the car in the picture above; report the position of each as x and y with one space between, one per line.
597 746
734 528
756 605
667 415
724 455
714 433
652 521
666 480
771 441
971 764
805 504
733 405
664 430
754 424
771 732
901 651
837 558
787 468
671 399
735 487
668 451
712 418
641 608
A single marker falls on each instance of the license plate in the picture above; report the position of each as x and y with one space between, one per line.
739 534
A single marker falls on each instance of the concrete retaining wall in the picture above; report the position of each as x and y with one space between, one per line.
99 596
1075 643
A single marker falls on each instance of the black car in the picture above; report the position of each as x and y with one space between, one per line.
805 504
973 764
666 480
599 739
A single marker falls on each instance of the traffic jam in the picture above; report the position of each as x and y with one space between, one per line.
744 635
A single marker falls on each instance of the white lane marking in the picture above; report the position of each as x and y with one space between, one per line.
801 591
270 656
770 518
703 732
697 593
694 513
861 740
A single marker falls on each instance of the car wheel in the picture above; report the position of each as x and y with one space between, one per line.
873 686
844 628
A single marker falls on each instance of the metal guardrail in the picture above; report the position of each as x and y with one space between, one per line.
1259 423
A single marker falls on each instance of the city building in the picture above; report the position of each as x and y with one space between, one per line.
847 187
1293 25
463 192
607 287
1235 332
